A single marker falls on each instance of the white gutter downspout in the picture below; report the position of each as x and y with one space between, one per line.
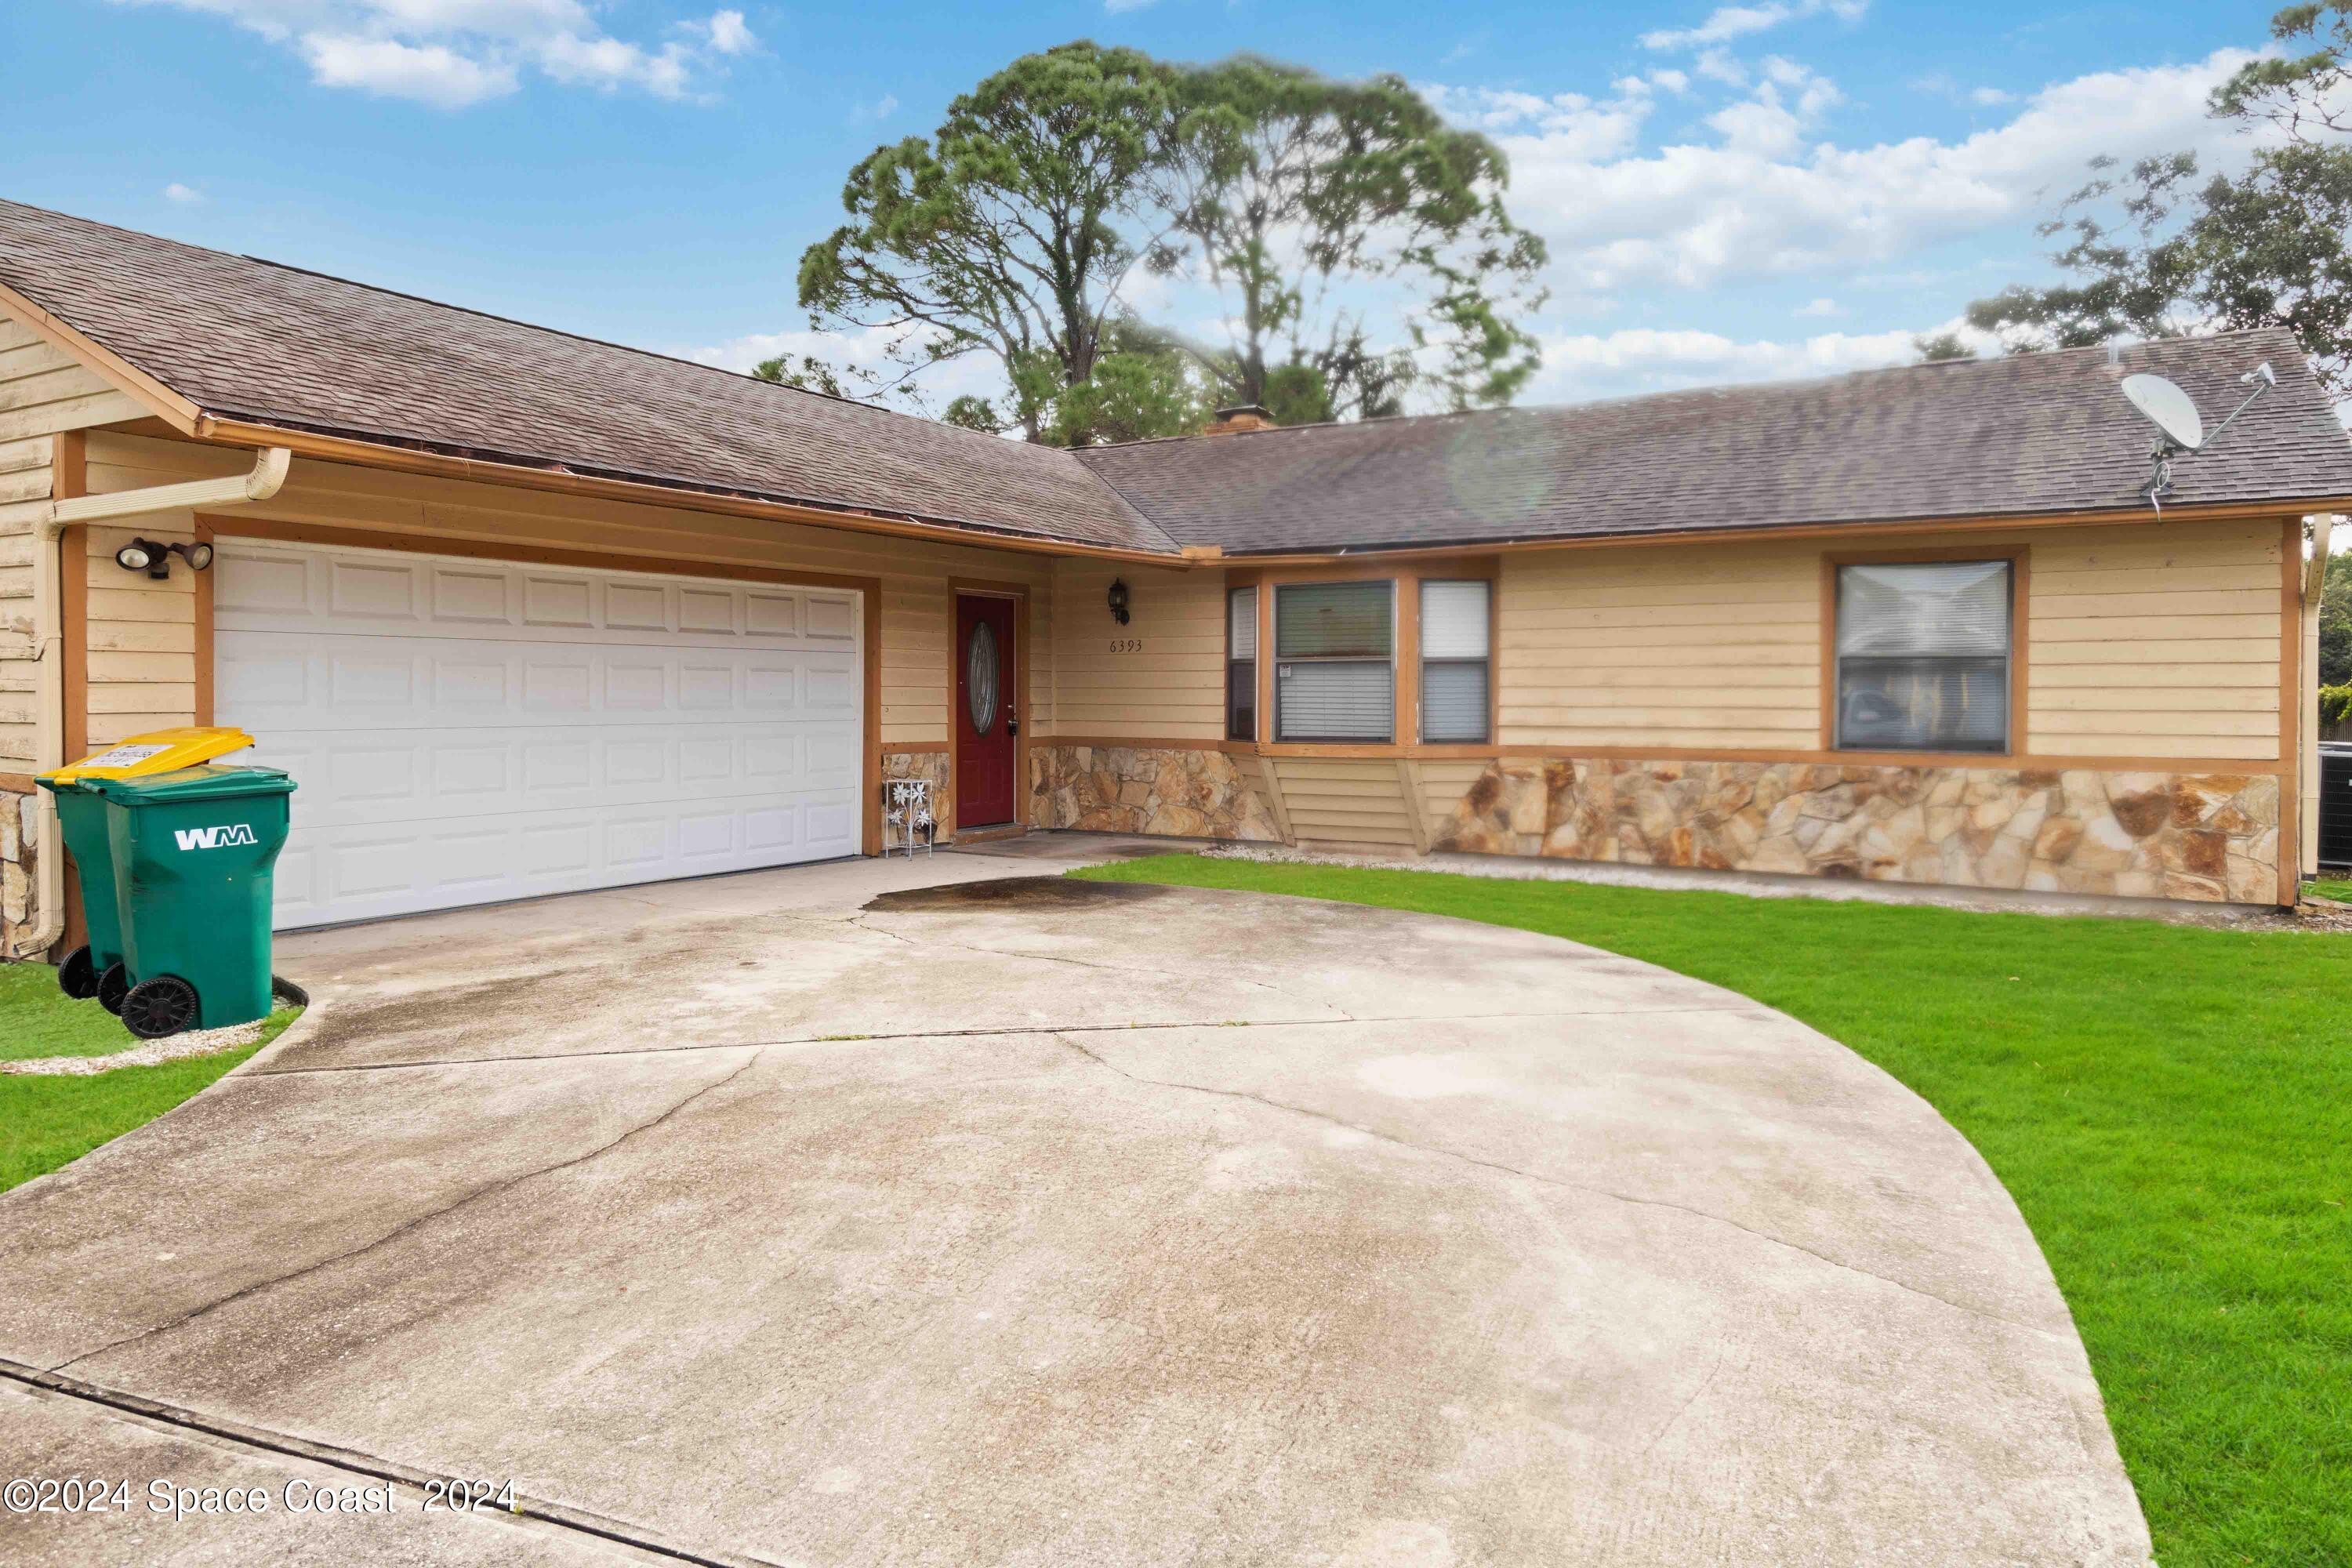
2314 574
267 474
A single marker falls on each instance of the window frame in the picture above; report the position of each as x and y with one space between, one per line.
1234 664
1420 674
1406 575
1394 584
2012 746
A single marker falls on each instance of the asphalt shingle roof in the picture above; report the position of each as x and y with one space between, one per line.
256 340
2029 434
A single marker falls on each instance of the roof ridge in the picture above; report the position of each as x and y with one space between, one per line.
1709 389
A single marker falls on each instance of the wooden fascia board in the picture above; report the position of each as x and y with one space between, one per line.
119 372
482 471
2223 511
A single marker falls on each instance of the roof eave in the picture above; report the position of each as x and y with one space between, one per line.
2215 511
446 462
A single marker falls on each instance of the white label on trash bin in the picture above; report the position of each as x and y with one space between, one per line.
123 756
214 838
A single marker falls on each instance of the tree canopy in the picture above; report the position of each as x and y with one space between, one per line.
2156 250
1355 248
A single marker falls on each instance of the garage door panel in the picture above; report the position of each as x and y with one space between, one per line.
410 775
341 874
323 681
463 732
299 588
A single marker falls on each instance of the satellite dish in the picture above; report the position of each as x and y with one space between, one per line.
2174 413
2169 409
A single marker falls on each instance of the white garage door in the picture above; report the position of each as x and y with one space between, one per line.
468 731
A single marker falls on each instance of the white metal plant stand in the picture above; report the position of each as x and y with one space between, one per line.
906 805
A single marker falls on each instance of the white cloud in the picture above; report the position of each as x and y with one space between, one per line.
429 73
1581 127
728 34
1823 307
1987 97
864 349
882 108
1725 22
1755 201
449 54
1581 366
187 195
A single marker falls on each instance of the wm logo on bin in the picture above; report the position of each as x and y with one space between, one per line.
214 838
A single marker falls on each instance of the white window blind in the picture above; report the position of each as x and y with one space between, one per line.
1335 670
1923 653
1455 661
1241 633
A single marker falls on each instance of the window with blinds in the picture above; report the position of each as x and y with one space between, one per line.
1455 661
1241 664
1923 653
1335 664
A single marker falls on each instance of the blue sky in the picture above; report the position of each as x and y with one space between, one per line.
1773 188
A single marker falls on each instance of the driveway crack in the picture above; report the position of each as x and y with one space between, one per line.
488 1190
1540 1179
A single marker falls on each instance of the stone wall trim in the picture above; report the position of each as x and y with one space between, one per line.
2210 837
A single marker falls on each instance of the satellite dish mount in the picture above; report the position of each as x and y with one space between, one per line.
2180 428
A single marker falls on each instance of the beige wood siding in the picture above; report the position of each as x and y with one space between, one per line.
1660 646
1172 687
44 390
1443 783
24 490
2157 639
2160 640
1342 800
915 574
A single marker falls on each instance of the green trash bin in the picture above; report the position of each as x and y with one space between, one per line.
193 853
96 969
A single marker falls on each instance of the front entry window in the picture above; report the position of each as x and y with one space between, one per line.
980 677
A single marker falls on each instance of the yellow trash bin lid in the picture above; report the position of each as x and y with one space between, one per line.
156 752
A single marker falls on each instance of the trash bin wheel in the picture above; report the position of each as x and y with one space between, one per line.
77 976
163 1006
112 987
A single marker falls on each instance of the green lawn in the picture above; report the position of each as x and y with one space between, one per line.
2170 1106
2331 887
47 1120
36 1019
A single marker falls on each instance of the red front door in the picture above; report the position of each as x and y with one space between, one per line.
985 719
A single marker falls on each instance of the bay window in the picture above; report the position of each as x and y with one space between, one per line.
1923 656
1335 661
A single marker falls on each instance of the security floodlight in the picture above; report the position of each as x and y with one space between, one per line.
154 557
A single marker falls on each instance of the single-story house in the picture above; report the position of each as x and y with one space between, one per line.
529 612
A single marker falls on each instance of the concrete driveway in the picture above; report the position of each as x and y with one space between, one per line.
943 1213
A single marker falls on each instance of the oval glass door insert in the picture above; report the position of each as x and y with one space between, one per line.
980 673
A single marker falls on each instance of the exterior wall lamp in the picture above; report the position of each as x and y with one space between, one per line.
154 557
1118 600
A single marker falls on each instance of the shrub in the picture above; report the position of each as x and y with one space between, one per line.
2335 706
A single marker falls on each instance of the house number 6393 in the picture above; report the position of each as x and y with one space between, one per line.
1126 645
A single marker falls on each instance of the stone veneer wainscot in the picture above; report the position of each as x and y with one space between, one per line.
1183 793
2212 837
